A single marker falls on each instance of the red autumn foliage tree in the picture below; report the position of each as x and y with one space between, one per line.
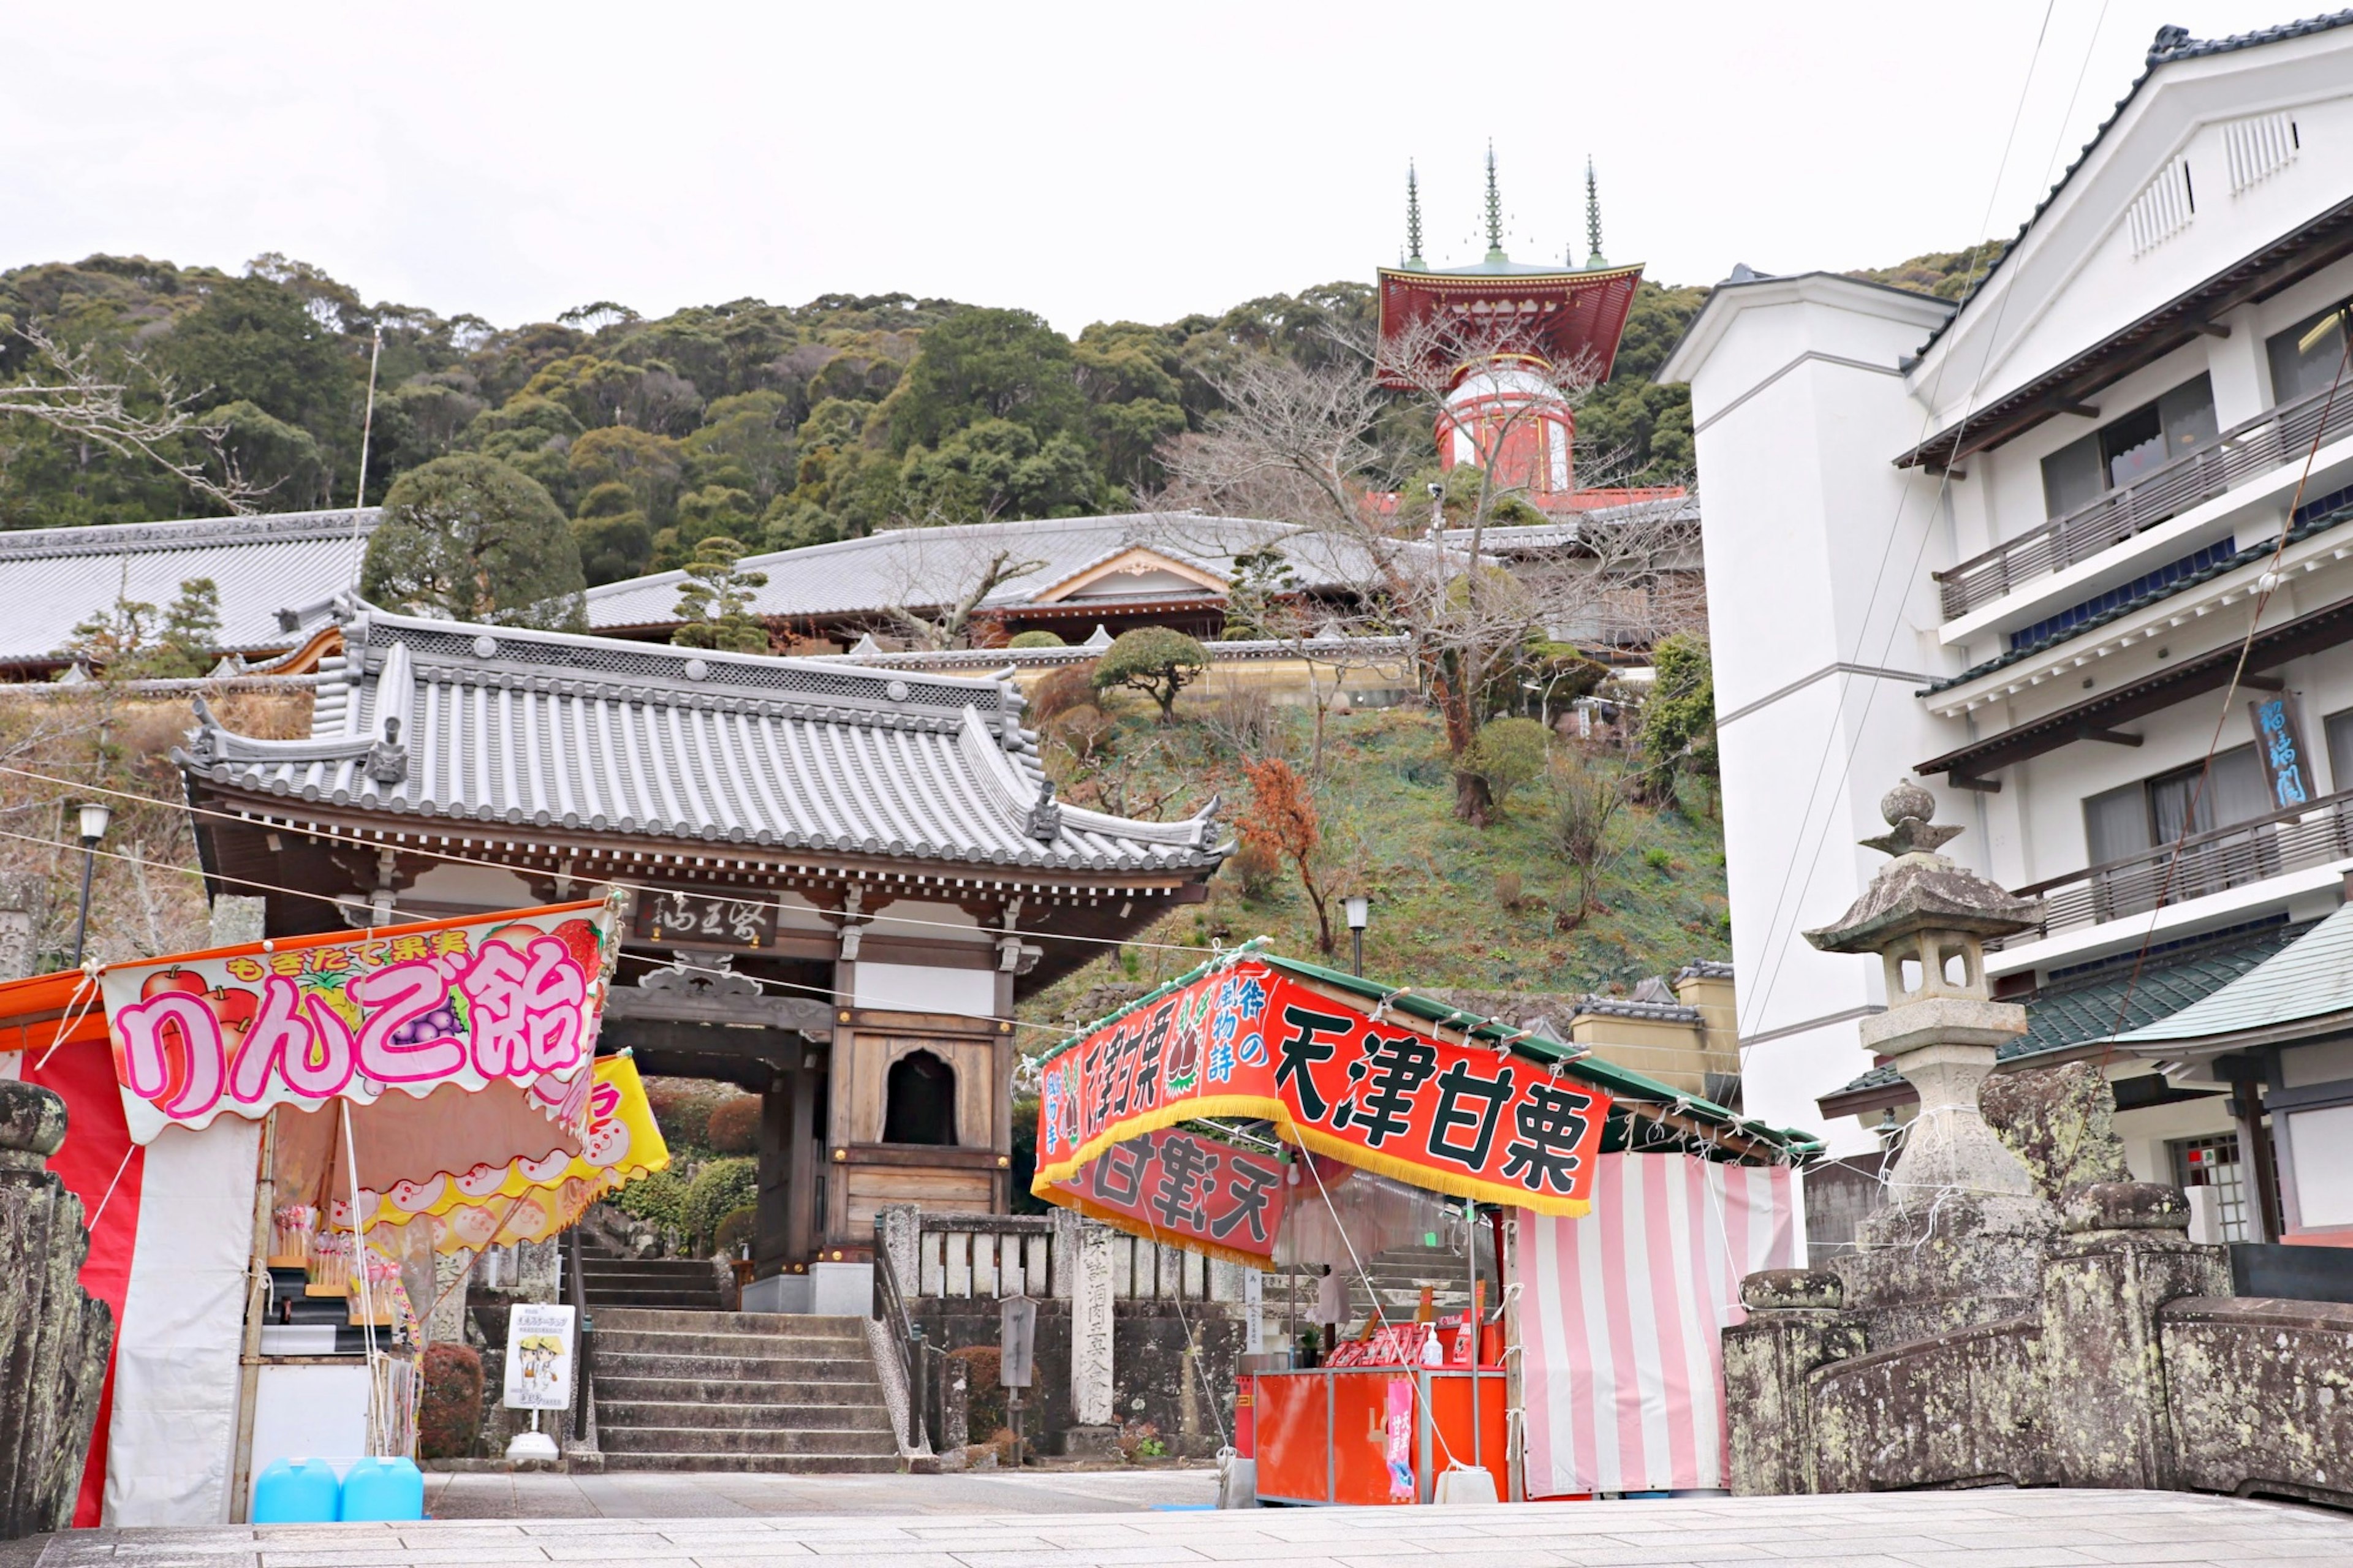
1283 823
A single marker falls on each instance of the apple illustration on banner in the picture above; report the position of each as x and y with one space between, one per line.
172 979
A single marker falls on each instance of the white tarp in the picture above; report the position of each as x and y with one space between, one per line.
176 1349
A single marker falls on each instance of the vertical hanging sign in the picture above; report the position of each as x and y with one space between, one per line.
2279 741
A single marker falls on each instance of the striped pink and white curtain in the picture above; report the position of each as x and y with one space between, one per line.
1620 1314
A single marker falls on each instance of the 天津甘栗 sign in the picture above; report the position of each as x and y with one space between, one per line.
1171 1187
1247 1040
303 1021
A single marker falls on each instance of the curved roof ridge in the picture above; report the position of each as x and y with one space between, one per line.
2171 44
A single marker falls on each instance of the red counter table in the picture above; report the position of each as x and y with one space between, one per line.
1320 1436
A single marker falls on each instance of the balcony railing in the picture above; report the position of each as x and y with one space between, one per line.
2245 852
2271 440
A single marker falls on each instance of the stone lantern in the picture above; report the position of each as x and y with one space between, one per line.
1957 1199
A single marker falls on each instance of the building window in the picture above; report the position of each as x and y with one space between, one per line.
2213 1161
2139 817
2305 357
919 1101
2128 447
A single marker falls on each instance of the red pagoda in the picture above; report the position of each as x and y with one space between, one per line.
1500 340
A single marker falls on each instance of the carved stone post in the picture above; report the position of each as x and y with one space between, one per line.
19 898
903 1229
1090 1343
1794 1325
54 1337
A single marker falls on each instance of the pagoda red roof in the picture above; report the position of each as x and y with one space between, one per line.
1572 317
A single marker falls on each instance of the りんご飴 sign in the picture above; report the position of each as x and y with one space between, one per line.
1247 1039
1173 1186
303 1021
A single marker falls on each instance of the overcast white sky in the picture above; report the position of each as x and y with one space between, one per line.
1088 162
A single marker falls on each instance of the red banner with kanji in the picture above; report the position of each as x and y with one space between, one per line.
1178 1188
1247 1040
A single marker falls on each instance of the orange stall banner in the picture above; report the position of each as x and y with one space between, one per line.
1246 1040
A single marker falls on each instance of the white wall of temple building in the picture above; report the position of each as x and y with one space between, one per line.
2201 234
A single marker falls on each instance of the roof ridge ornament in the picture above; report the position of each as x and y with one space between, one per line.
1494 211
1593 260
1044 821
1413 220
388 759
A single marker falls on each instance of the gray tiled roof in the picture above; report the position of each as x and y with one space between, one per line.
925 566
2092 1005
51 578
521 727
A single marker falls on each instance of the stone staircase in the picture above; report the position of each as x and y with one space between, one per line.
1399 1274
675 1284
698 1389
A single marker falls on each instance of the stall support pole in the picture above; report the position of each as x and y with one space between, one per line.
249 1375
1515 1433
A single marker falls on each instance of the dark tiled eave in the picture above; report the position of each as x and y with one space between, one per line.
2069 385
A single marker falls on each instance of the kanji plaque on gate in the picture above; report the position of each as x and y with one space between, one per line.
1244 1039
704 919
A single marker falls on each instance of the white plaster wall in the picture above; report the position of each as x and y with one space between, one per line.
920 988
1828 544
2075 280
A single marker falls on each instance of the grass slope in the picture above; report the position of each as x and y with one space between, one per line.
1386 803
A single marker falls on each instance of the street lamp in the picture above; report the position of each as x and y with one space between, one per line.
95 815
1360 914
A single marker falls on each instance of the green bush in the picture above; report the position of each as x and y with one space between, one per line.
1507 754
658 1200
720 1188
737 1226
1038 638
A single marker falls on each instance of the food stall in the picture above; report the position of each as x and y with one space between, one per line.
1259 1108
233 1112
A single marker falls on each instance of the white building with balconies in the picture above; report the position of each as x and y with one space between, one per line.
2049 550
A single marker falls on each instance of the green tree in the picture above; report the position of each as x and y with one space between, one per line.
622 454
1507 754
1158 661
471 539
999 468
615 540
715 604
745 443
1679 720
186 643
986 364
252 341
280 460
1037 638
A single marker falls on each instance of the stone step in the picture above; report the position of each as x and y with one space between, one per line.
593 1266
696 1341
761 1440
623 1363
784 1464
796 1323
651 1299
864 1414
817 1383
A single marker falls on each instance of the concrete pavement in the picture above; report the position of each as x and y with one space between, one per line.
1990 1528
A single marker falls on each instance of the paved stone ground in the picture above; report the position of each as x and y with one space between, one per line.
1994 1528
662 1494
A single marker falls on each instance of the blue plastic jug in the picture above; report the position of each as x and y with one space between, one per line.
296 1491
383 1489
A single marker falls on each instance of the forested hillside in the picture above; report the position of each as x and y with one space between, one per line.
778 425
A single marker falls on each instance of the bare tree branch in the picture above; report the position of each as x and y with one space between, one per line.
77 400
